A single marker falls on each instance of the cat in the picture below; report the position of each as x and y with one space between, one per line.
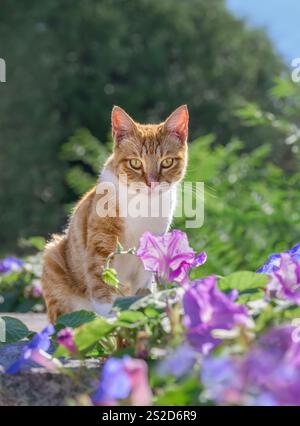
146 155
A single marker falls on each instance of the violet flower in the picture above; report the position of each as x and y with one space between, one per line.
35 351
123 378
65 337
169 255
207 309
223 379
268 375
285 280
273 262
179 362
10 264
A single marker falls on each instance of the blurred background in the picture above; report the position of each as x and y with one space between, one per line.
68 62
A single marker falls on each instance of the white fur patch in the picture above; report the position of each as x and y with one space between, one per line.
103 309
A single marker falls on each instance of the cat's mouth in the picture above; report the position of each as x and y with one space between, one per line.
150 189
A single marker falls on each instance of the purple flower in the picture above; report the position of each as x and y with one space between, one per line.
10 264
179 362
273 262
121 379
207 309
223 379
273 365
36 289
65 337
268 375
285 280
169 255
35 351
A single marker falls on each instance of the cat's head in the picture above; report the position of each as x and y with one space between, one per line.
150 153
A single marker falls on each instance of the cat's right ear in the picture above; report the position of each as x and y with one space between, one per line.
122 124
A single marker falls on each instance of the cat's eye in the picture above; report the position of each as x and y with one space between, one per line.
167 162
135 163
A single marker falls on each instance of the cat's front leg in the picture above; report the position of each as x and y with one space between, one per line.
102 296
103 309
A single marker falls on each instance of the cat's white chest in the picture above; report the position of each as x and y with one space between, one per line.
129 267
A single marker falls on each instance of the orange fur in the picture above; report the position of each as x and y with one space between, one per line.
73 261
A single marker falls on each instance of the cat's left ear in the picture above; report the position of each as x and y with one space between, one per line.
178 122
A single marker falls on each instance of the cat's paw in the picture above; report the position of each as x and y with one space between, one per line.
103 309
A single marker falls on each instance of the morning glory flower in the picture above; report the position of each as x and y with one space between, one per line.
10 264
273 364
169 255
123 378
285 280
206 310
179 362
35 351
268 375
273 262
65 337
223 379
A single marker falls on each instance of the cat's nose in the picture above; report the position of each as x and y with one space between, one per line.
151 181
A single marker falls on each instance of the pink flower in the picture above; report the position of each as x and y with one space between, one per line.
37 291
66 338
169 255
285 280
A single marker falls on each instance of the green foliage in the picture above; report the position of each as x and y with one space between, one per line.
184 393
15 330
251 205
86 156
75 319
243 280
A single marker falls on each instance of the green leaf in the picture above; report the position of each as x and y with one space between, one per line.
250 295
15 329
283 88
76 319
124 303
243 281
184 393
90 333
151 312
110 277
36 242
130 319
61 351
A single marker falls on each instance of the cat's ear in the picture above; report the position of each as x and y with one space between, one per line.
122 124
178 122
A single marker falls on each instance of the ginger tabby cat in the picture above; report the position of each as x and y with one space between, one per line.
146 155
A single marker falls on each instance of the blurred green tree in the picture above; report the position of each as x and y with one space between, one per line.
69 61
